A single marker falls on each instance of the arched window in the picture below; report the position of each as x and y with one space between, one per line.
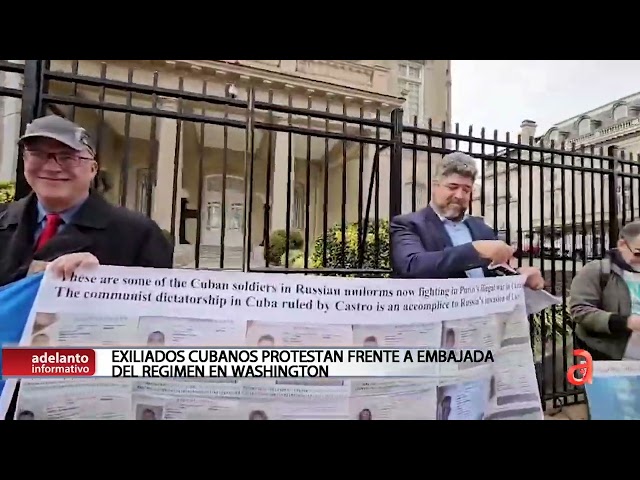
584 127
620 112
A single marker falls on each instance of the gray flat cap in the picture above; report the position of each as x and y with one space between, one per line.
60 129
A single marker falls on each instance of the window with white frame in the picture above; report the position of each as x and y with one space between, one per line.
236 216
214 211
584 127
411 83
143 186
624 196
299 207
621 111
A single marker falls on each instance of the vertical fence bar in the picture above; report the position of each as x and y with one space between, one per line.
361 220
250 175
176 187
267 188
291 165
152 160
395 169
248 179
202 146
307 188
614 227
376 205
126 156
552 265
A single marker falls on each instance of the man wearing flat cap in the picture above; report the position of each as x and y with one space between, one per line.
63 221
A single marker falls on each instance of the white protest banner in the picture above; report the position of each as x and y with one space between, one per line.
129 307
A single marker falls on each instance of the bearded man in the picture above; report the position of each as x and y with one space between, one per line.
442 240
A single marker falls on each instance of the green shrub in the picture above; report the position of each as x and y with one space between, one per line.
278 246
373 259
299 262
555 314
7 192
294 255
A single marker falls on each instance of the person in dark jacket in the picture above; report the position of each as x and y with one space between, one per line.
63 222
442 240
600 300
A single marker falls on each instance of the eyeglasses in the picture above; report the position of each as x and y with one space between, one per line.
65 160
633 251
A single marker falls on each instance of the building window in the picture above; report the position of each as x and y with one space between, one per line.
299 207
584 127
236 216
143 186
620 112
214 210
411 84
627 199
624 196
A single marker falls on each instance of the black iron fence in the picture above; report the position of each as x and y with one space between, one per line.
291 181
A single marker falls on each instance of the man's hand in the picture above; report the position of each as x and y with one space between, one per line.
65 265
535 281
495 250
633 323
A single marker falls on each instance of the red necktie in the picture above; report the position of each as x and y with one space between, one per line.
51 227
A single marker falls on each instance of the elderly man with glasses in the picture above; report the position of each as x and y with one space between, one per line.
63 222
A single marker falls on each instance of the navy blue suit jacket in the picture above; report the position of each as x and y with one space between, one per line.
421 247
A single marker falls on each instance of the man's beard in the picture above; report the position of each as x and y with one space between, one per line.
454 211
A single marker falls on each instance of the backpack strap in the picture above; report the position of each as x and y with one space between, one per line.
605 273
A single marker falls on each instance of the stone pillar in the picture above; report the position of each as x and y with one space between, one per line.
279 186
10 111
166 135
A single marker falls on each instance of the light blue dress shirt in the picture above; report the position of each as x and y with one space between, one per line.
460 234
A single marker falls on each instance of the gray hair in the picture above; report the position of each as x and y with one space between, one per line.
630 231
456 163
